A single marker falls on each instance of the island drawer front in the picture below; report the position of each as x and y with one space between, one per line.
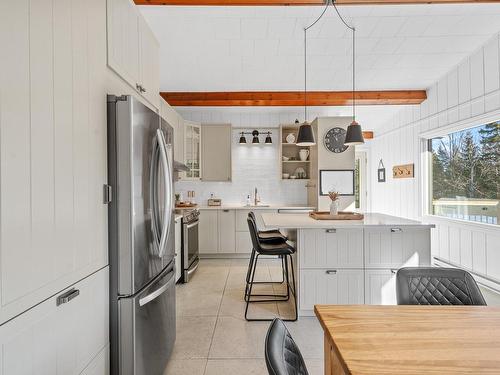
380 287
397 247
330 286
241 218
337 248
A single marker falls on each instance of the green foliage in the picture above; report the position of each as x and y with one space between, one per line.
467 164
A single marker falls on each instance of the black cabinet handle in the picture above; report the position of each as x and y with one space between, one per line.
67 296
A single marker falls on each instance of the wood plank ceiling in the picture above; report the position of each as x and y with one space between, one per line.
299 2
292 98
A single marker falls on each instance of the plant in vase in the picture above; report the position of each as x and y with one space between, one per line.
334 205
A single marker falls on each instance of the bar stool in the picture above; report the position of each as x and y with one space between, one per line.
281 249
269 237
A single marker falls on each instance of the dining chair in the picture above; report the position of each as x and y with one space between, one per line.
436 286
282 354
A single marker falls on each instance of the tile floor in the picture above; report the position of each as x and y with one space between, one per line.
213 337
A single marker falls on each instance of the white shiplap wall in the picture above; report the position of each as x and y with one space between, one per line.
468 94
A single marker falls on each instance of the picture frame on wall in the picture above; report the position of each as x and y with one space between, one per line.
340 180
381 171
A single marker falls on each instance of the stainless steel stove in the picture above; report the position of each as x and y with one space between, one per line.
190 245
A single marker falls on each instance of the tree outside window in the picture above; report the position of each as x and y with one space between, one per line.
466 174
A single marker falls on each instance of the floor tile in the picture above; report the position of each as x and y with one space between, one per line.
194 335
314 366
199 303
186 367
237 338
236 366
233 304
308 335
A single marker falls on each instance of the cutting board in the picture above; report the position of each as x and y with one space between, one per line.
185 205
342 215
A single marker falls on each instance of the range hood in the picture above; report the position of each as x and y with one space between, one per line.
180 167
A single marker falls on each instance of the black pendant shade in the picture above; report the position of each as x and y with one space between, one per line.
268 139
306 135
354 135
243 140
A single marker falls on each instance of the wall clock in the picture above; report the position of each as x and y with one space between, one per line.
334 140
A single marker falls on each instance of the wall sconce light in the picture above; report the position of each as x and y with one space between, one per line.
255 138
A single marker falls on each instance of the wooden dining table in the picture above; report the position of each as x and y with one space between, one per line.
369 339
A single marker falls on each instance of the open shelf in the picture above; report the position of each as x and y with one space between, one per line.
295 161
291 150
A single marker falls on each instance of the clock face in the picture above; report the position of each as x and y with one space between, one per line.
334 140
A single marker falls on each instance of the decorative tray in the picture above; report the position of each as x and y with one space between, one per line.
185 205
342 215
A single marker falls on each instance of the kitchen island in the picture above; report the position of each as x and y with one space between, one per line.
352 261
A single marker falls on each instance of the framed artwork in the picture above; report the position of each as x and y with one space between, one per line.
381 171
341 180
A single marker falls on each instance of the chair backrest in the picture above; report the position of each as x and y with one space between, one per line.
283 357
254 233
252 215
436 286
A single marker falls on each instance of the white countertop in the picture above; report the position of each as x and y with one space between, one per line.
177 217
244 207
303 221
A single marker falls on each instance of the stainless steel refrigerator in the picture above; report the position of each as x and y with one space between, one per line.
141 237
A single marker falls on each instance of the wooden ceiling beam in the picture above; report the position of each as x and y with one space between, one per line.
300 2
292 98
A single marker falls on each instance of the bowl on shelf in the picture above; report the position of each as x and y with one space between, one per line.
293 177
286 175
286 158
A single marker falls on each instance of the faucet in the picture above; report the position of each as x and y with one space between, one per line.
256 199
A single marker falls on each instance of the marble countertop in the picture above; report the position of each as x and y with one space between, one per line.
303 221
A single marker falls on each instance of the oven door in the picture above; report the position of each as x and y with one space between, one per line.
190 249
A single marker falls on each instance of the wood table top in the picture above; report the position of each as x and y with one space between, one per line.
374 340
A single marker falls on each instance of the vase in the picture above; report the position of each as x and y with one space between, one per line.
334 208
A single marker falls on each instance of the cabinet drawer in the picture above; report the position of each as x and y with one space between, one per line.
335 248
397 247
380 287
51 339
241 218
329 286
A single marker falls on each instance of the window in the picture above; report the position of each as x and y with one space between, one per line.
465 174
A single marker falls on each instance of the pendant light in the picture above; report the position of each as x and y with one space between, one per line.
268 139
354 135
255 140
306 134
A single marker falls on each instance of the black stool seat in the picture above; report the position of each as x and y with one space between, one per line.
268 236
275 249
283 357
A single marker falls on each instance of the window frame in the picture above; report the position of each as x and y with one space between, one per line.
426 162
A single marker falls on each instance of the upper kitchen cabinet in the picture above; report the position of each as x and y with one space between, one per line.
133 51
53 223
192 149
216 151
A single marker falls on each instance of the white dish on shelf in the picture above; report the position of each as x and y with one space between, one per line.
286 175
300 172
290 138
286 158
293 177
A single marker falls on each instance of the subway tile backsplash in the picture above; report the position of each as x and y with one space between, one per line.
252 167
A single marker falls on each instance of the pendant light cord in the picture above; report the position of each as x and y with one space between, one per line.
353 57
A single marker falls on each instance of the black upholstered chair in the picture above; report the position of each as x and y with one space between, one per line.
284 251
282 354
268 236
436 286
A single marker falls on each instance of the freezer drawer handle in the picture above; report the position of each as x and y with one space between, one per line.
331 272
158 292
68 296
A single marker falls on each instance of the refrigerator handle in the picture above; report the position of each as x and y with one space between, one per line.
158 292
167 213
153 186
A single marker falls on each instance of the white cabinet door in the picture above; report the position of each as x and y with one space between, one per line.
208 232
179 140
397 247
64 339
178 248
380 287
53 149
99 365
149 63
243 242
328 286
227 241
123 40
335 248
216 151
